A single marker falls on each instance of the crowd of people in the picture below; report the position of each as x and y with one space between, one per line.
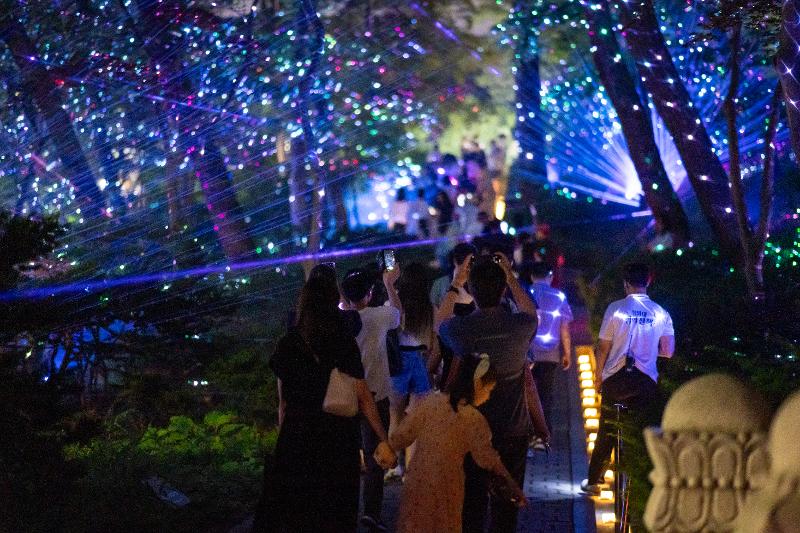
455 196
450 383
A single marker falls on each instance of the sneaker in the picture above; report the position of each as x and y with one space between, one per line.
373 524
593 489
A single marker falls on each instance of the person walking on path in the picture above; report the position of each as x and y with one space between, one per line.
552 345
313 484
398 213
506 338
376 323
445 428
635 332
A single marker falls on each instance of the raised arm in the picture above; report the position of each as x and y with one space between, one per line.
525 303
460 276
390 277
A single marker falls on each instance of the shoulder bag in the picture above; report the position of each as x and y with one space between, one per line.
341 398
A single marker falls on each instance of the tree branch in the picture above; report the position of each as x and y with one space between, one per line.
767 177
734 159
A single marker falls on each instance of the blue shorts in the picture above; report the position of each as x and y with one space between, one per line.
413 378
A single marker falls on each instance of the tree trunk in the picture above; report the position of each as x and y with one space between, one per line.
310 24
637 128
297 187
788 66
335 198
529 129
662 80
752 242
47 97
221 202
210 166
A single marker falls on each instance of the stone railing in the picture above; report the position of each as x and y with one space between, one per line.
723 463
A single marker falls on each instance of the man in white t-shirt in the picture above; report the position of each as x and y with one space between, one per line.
375 324
635 332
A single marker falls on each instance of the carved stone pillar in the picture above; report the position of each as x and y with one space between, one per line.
776 508
710 456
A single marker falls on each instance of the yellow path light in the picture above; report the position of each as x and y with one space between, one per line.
592 437
583 359
609 477
607 495
588 402
608 518
585 367
587 375
590 413
589 393
586 383
590 447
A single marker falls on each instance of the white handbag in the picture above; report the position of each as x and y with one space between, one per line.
341 398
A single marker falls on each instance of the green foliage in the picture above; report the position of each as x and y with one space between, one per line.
220 440
216 462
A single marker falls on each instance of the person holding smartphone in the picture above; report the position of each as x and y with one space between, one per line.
505 337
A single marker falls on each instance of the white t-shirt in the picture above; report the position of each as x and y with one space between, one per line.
634 325
375 324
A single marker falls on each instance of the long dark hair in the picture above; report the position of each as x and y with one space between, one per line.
318 308
413 289
463 388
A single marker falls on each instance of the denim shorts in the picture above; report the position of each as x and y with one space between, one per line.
413 378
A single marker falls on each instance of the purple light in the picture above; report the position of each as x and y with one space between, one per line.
161 277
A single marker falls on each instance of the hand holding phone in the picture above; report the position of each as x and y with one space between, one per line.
386 260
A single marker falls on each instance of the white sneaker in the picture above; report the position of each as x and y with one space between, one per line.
591 489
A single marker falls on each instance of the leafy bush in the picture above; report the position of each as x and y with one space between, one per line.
217 462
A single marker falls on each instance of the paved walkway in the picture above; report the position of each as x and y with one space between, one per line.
552 482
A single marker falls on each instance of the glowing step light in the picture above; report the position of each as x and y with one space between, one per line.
585 367
592 437
587 375
590 413
607 495
587 383
588 402
584 359
608 518
592 423
589 393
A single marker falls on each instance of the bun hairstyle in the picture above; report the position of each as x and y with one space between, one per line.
463 388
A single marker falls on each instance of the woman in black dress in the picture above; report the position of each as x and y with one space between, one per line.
315 477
